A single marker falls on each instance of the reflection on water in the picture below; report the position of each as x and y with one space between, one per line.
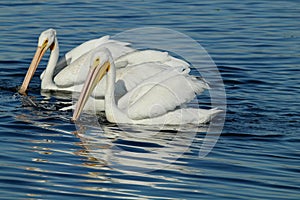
48 157
102 156
135 148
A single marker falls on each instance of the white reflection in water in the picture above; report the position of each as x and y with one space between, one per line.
137 149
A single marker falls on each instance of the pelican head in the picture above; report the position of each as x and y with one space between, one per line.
47 36
46 41
100 64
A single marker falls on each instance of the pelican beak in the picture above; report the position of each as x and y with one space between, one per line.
40 51
96 73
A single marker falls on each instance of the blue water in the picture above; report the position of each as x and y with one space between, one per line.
255 45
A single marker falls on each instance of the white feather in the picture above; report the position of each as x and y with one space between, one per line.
75 73
160 94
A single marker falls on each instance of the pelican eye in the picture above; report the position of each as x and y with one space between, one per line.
45 43
96 62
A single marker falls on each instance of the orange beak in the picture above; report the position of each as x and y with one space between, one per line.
96 73
40 51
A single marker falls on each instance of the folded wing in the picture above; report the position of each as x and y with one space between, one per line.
161 93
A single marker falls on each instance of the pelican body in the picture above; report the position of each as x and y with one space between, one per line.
155 100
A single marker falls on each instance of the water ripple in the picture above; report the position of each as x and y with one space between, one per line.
255 45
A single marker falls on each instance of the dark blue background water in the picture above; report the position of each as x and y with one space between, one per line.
255 45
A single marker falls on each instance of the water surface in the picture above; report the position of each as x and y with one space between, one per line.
255 45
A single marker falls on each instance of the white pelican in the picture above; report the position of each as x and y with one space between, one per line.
67 74
133 69
154 101
51 78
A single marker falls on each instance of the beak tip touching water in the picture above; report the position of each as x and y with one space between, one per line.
73 120
75 117
22 90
